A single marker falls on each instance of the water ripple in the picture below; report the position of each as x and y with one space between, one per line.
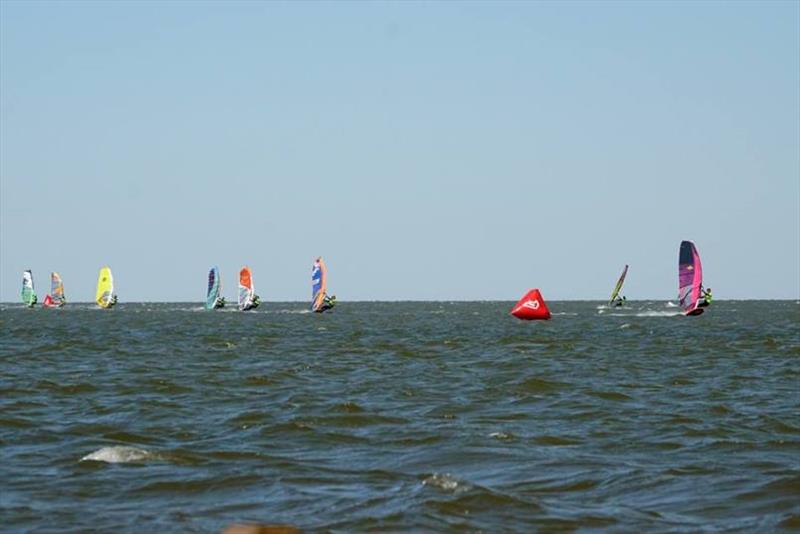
400 417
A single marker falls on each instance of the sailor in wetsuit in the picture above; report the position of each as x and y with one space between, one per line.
619 301
705 294
327 303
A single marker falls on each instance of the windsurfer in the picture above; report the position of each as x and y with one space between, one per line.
620 301
256 302
220 302
328 302
705 294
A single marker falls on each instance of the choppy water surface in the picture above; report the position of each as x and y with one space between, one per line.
401 417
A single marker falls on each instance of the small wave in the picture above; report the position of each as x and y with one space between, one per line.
446 482
651 313
648 313
557 441
539 385
610 395
501 435
120 455
670 305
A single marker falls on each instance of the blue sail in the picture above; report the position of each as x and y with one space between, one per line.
318 275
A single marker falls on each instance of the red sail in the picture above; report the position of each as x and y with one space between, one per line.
531 307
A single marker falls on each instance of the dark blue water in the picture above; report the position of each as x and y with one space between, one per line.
400 417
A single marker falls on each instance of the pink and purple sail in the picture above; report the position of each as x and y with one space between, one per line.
690 278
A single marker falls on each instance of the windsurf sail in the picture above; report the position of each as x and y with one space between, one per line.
28 295
57 290
214 289
690 278
618 287
319 279
104 296
247 292
531 307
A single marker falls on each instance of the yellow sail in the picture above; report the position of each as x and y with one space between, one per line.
105 289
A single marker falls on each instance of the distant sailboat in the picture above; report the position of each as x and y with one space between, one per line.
213 299
320 301
617 288
248 299
28 295
690 279
56 298
104 296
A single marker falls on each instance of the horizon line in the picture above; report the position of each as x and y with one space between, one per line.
797 299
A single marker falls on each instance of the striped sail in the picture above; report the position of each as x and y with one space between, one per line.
618 287
690 276
319 275
28 295
104 296
246 288
57 290
214 288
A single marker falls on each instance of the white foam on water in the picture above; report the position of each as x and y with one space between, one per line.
648 313
670 305
659 314
626 325
446 482
120 455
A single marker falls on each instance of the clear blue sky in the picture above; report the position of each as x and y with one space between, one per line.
426 150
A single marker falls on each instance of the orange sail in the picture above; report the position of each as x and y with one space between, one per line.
247 292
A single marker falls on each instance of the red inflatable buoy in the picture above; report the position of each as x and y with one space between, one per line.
531 307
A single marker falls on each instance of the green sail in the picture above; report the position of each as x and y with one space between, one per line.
618 287
28 296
